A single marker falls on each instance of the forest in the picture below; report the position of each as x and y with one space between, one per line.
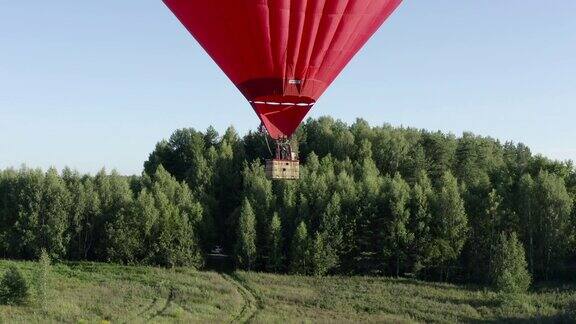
372 200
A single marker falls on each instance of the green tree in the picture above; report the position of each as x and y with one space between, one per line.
161 228
23 240
526 211
42 278
245 249
116 200
13 287
300 251
440 153
258 191
42 212
390 149
227 192
421 222
508 269
450 225
183 156
131 234
364 150
9 180
83 217
175 235
346 188
398 236
322 256
370 229
53 220
552 209
275 254
331 227
485 230
475 158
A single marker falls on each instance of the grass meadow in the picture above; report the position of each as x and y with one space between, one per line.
100 293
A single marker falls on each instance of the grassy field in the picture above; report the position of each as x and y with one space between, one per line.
96 293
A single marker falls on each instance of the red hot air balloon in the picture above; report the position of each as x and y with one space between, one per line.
282 54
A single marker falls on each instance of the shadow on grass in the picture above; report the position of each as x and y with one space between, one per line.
559 318
474 302
566 316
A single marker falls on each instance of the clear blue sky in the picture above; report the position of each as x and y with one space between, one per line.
90 84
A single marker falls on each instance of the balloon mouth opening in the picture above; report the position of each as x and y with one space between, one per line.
283 101
281 115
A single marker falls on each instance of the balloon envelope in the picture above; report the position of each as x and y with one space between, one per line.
282 54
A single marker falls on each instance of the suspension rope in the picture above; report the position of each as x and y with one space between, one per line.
264 132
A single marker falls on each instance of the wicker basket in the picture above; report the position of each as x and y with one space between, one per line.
283 169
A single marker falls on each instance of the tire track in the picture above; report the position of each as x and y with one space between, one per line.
168 303
250 307
148 308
